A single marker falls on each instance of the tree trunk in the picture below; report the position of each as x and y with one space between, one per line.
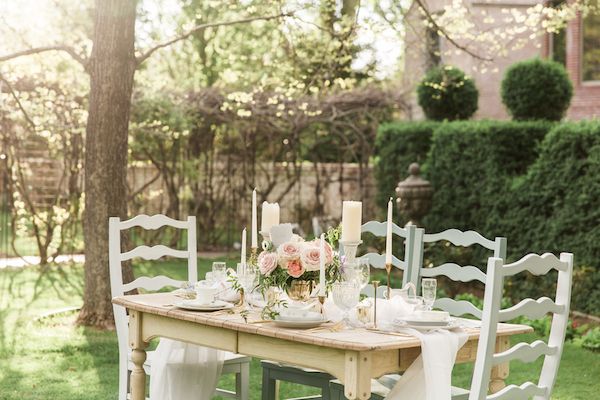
111 68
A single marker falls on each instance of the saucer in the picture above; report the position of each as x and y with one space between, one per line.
195 306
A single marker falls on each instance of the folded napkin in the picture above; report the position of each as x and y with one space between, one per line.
429 376
182 371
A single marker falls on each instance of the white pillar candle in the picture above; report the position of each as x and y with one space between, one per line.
243 258
322 265
254 221
351 221
269 217
388 234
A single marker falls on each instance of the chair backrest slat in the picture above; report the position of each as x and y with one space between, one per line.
535 264
458 308
154 283
460 238
455 272
154 253
532 309
492 314
525 352
153 222
523 392
378 261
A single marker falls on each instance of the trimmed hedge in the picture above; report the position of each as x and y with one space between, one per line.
471 167
397 146
537 89
536 183
446 93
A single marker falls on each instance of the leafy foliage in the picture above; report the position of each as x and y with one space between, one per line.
533 182
591 340
446 93
537 89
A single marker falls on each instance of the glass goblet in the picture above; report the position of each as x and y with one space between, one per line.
363 272
219 270
346 296
428 291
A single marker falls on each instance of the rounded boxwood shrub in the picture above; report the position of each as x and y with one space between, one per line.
446 93
537 89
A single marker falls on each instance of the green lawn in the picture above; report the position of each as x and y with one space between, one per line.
53 359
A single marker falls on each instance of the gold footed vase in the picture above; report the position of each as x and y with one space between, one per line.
300 290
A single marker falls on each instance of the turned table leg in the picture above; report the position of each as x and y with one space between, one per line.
357 382
500 371
138 357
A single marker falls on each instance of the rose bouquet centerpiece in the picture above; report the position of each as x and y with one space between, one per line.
294 265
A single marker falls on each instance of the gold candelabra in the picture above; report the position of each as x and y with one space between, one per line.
375 286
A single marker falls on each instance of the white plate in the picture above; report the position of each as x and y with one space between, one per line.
295 324
424 327
214 306
424 322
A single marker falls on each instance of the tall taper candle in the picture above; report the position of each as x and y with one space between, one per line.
254 221
388 234
351 221
322 266
243 258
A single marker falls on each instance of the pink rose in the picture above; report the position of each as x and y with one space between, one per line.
267 262
295 268
310 257
288 251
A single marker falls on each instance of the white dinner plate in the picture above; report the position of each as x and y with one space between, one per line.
296 324
424 326
214 306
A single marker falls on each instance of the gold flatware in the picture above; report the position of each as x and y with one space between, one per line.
374 330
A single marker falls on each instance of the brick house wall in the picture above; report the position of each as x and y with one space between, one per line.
586 98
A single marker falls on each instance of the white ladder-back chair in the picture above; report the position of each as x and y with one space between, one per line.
526 352
454 271
233 363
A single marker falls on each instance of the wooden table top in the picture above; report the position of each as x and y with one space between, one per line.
354 339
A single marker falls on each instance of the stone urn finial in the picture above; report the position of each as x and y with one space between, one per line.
414 196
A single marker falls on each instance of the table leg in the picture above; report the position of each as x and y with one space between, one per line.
500 371
138 357
357 382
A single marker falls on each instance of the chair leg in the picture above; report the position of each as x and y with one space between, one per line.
242 382
268 385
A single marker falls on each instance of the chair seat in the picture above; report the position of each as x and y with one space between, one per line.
295 367
230 359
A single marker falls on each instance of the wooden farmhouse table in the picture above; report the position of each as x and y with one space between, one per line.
353 356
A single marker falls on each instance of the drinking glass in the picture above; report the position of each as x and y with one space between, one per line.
346 296
428 290
364 272
219 271
247 278
349 271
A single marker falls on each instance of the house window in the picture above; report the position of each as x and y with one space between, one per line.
591 48
558 47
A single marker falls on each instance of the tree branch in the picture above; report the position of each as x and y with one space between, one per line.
142 57
19 104
445 34
36 50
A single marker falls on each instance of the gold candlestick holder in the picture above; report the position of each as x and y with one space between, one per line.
322 301
375 286
388 270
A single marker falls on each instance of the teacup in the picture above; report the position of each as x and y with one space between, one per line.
205 294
